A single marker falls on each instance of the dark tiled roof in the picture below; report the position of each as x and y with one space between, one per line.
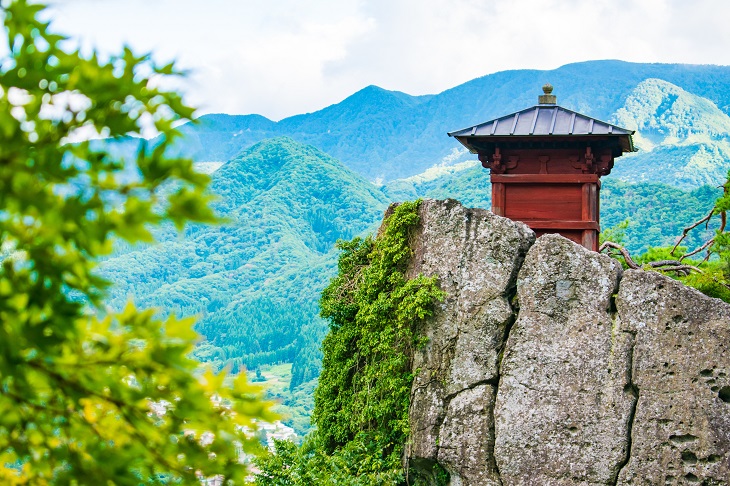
545 120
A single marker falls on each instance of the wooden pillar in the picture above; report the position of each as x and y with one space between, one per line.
590 214
498 198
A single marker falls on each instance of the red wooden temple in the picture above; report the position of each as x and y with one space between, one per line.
545 164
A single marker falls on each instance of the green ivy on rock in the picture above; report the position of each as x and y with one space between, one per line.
373 308
361 402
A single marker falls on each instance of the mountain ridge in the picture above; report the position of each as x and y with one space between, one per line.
387 135
254 281
683 139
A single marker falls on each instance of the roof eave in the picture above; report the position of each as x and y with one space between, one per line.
463 142
471 131
627 148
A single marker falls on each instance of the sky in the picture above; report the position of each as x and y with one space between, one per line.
279 58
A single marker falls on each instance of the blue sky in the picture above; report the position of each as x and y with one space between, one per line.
279 58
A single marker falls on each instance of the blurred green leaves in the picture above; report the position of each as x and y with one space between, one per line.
86 397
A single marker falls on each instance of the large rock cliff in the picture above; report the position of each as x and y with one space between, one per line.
546 364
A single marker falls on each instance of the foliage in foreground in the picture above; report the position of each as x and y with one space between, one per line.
361 402
87 399
712 281
359 463
711 274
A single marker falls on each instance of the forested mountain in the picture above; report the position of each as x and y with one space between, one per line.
386 135
683 139
255 280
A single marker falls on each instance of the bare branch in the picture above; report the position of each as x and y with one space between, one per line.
689 228
697 250
707 257
683 269
624 252
663 265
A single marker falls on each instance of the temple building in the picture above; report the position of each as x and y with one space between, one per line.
545 163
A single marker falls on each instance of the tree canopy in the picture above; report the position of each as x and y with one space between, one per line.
88 395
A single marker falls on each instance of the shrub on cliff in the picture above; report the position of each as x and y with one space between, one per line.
361 402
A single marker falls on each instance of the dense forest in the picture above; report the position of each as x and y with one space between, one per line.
255 279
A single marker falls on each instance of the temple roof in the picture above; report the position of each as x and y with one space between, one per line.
543 120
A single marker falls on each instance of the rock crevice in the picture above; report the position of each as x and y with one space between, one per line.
477 257
632 390
595 377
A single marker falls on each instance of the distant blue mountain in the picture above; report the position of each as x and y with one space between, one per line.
386 135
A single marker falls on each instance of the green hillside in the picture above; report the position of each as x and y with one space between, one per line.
657 212
387 135
254 281
468 182
683 139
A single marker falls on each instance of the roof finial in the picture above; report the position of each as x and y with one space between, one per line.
547 98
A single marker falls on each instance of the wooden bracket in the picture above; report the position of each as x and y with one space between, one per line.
494 162
588 167
605 165
544 159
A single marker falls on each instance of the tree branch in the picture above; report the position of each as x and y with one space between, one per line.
663 265
697 250
689 228
627 256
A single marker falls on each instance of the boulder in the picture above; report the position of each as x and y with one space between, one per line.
476 256
564 401
547 365
681 372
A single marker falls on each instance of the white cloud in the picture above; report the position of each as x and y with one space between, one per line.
281 68
287 57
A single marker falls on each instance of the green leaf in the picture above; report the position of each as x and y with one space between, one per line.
90 396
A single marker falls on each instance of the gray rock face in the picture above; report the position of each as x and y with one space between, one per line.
477 256
562 412
596 379
681 371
